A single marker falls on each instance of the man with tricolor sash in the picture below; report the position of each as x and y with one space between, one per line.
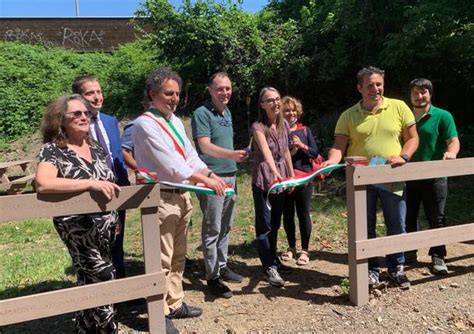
161 146
381 129
213 134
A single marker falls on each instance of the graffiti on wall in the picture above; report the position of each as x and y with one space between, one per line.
82 38
68 37
25 36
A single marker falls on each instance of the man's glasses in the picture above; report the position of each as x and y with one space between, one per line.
272 101
79 113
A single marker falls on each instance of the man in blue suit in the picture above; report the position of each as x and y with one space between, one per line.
104 129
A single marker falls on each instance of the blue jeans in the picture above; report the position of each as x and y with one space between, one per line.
267 223
394 212
218 215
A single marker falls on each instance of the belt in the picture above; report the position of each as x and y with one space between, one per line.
174 191
226 174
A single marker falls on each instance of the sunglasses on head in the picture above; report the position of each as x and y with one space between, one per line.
79 113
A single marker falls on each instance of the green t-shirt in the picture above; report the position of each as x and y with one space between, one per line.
207 122
434 129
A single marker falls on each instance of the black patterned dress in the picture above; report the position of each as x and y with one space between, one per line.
89 238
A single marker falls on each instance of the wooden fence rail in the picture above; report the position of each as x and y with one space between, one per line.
361 249
151 285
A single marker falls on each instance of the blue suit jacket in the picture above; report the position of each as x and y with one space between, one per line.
112 130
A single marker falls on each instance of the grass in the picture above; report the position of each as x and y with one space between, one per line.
35 260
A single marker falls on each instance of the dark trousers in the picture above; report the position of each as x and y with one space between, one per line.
117 250
300 199
432 194
267 223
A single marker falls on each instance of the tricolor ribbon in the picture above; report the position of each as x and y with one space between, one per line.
198 188
299 181
144 176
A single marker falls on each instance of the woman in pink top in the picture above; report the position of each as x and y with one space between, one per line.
272 162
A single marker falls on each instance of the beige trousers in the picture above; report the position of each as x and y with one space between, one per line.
175 212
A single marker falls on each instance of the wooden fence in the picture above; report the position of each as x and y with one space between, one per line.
361 248
151 285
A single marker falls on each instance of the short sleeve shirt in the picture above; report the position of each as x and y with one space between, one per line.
71 166
375 134
208 122
127 137
434 129
262 176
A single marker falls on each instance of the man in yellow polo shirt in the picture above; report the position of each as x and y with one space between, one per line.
383 127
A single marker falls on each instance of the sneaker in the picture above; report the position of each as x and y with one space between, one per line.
218 288
185 311
438 266
230 276
399 277
274 278
170 328
282 269
374 278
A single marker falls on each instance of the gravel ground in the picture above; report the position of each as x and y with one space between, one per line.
314 301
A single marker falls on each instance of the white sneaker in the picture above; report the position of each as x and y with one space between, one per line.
274 278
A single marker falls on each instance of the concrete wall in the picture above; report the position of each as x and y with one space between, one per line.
80 34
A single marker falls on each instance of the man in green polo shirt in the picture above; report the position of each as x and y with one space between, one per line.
383 127
438 141
213 135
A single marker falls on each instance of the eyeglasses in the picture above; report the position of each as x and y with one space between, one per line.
272 101
79 113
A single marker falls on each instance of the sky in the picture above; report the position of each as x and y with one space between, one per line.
61 8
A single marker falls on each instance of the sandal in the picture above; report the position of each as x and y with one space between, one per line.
303 258
288 255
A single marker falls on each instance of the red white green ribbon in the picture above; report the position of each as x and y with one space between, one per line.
198 188
301 180
144 176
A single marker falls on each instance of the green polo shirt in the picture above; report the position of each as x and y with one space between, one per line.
207 122
434 129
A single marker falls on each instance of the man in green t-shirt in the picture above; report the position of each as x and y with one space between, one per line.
438 141
378 126
214 138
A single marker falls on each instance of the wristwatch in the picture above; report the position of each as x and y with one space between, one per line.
405 157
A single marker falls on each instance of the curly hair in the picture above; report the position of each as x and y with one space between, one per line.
52 127
158 78
293 103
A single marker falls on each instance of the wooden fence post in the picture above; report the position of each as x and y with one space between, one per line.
152 257
357 230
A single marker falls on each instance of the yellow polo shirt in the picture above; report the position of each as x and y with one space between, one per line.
379 133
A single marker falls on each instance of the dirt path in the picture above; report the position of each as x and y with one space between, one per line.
313 300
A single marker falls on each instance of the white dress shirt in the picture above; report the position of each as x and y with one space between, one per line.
155 151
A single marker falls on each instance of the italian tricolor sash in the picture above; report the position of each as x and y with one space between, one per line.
168 128
301 180
144 176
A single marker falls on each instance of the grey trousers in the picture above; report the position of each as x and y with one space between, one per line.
218 216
